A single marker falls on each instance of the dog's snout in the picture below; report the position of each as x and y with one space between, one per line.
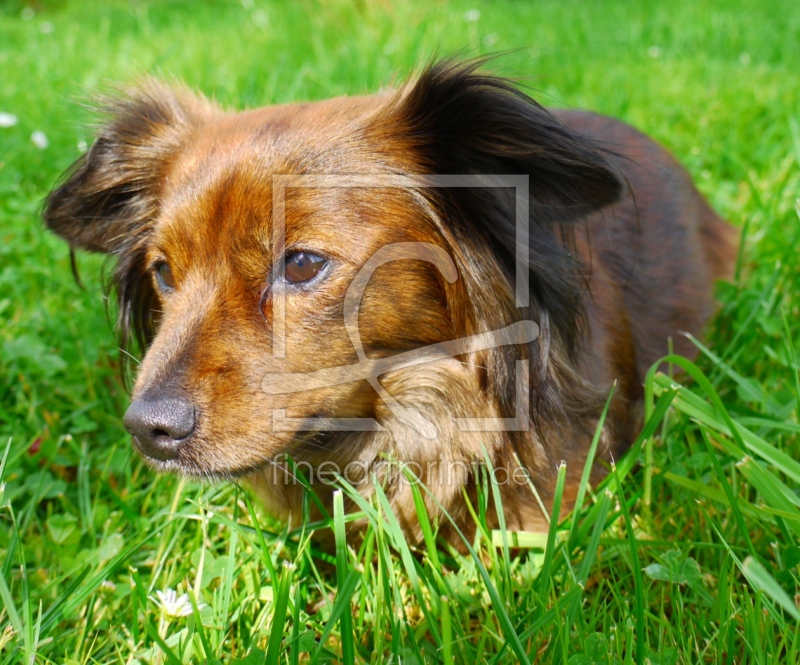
160 425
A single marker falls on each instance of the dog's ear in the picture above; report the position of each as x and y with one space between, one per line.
462 121
110 193
109 197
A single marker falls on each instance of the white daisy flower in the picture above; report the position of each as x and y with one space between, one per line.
8 119
172 605
40 140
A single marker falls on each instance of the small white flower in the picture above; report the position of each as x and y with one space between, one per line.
27 14
172 605
472 15
46 28
7 119
40 140
654 52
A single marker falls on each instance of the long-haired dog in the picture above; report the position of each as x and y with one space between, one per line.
445 276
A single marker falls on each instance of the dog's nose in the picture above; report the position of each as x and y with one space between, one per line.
160 425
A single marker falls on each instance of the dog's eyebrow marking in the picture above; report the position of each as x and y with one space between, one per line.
521 332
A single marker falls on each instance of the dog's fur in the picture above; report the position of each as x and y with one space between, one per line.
623 255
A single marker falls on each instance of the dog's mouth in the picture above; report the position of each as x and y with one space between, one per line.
192 463
190 468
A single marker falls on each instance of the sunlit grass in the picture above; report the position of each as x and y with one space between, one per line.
704 568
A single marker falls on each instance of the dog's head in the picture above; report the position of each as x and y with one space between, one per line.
228 271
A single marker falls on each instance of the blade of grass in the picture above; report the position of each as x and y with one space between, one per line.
11 610
262 543
150 629
758 577
753 392
732 502
340 605
587 467
549 553
704 490
29 646
198 626
4 459
447 632
342 566
300 476
299 600
227 579
428 535
276 632
590 553
641 626
501 523
792 356
761 579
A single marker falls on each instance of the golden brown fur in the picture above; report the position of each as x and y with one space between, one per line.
623 255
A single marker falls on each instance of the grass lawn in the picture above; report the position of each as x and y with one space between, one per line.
689 551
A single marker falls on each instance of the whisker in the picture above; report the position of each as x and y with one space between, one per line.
130 355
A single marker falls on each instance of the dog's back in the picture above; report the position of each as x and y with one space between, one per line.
651 259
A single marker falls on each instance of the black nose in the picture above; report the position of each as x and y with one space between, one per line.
160 425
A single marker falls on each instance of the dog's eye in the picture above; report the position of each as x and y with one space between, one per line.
303 267
164 276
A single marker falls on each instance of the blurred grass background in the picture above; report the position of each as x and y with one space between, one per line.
88 536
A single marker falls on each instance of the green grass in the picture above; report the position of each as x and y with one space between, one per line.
687 553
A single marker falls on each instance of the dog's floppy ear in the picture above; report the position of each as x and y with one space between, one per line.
109 197
463 121
111 191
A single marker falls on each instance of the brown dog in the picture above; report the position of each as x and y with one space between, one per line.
276 262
